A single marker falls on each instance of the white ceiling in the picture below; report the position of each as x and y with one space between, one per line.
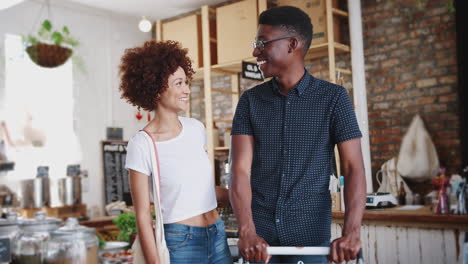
152 9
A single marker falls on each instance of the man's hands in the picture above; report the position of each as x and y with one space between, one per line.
253 248
345 248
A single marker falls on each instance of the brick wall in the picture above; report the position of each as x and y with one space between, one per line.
410 56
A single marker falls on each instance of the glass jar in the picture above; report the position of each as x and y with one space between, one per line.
30 245
73 244
8 232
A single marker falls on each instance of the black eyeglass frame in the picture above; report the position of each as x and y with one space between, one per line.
260 44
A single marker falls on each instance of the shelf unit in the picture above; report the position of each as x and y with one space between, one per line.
329 48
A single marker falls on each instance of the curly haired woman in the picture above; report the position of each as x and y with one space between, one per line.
156 77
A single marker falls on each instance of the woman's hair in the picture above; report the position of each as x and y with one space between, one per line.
144 71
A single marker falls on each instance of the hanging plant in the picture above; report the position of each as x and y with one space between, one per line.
50 48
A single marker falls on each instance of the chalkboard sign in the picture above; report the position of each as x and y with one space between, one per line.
116 183
251 71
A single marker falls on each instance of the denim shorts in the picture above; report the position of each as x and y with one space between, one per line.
192 244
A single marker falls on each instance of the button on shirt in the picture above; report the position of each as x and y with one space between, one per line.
294 139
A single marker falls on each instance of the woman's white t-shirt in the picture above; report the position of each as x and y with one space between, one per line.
186 181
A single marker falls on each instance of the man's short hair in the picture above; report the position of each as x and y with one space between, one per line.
292 19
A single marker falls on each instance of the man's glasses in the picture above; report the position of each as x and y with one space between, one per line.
260 44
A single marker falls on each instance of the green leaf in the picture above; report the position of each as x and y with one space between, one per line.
32 40
65 30
57 37
47 25
127 224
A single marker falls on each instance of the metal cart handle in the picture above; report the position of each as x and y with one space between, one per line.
298 250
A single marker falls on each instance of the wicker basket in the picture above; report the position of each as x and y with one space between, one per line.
47 55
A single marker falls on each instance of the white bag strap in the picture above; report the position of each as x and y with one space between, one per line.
159 226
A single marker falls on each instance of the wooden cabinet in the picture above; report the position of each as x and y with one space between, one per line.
409 236
187 31
236 27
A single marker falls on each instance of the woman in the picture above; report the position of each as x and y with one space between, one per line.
156 77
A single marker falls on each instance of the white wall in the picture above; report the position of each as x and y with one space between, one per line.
103 37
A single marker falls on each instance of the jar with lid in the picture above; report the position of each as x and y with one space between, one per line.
30 245
73 244
8 232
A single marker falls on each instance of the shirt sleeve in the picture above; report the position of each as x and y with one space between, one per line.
344 124
241 124
202 129
137 158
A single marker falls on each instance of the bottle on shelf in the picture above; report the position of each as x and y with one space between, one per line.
402 194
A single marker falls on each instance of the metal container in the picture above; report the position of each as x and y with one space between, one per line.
35 193
72 244
8 232
70 190
30 246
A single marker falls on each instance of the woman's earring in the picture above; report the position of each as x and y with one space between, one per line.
149 116
138 115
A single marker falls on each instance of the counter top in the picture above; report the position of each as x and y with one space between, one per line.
422 217
98 222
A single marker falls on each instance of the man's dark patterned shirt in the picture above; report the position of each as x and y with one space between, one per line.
294 139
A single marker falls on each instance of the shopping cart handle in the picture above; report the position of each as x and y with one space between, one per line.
298 250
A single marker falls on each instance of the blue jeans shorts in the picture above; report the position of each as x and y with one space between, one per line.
201 245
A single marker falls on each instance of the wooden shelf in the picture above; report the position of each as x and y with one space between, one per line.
339 12
233 67
221 148
198 74
315 51
422 217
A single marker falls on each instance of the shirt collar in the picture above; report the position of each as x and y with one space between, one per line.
301 86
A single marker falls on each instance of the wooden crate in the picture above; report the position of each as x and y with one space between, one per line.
236 28
187 31
62 212
316 9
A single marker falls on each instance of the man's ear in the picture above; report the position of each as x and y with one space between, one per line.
293 45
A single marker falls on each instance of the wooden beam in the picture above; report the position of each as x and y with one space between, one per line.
158 29
339 12
331 41
262 6
235 92
222 121
344 71
207 81
223 91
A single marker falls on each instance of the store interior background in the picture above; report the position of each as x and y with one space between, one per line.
410 60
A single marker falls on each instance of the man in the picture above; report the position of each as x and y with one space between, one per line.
283 138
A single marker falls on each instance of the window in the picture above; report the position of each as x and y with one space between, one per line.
38 112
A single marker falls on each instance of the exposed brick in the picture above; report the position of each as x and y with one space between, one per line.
448 98
426 100
390 63
403 103
426 82
378 106
448 79
380 123
378 98
435 108
403 86
410 42
440 90
394 96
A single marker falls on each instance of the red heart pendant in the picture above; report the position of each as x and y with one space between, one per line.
139 116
